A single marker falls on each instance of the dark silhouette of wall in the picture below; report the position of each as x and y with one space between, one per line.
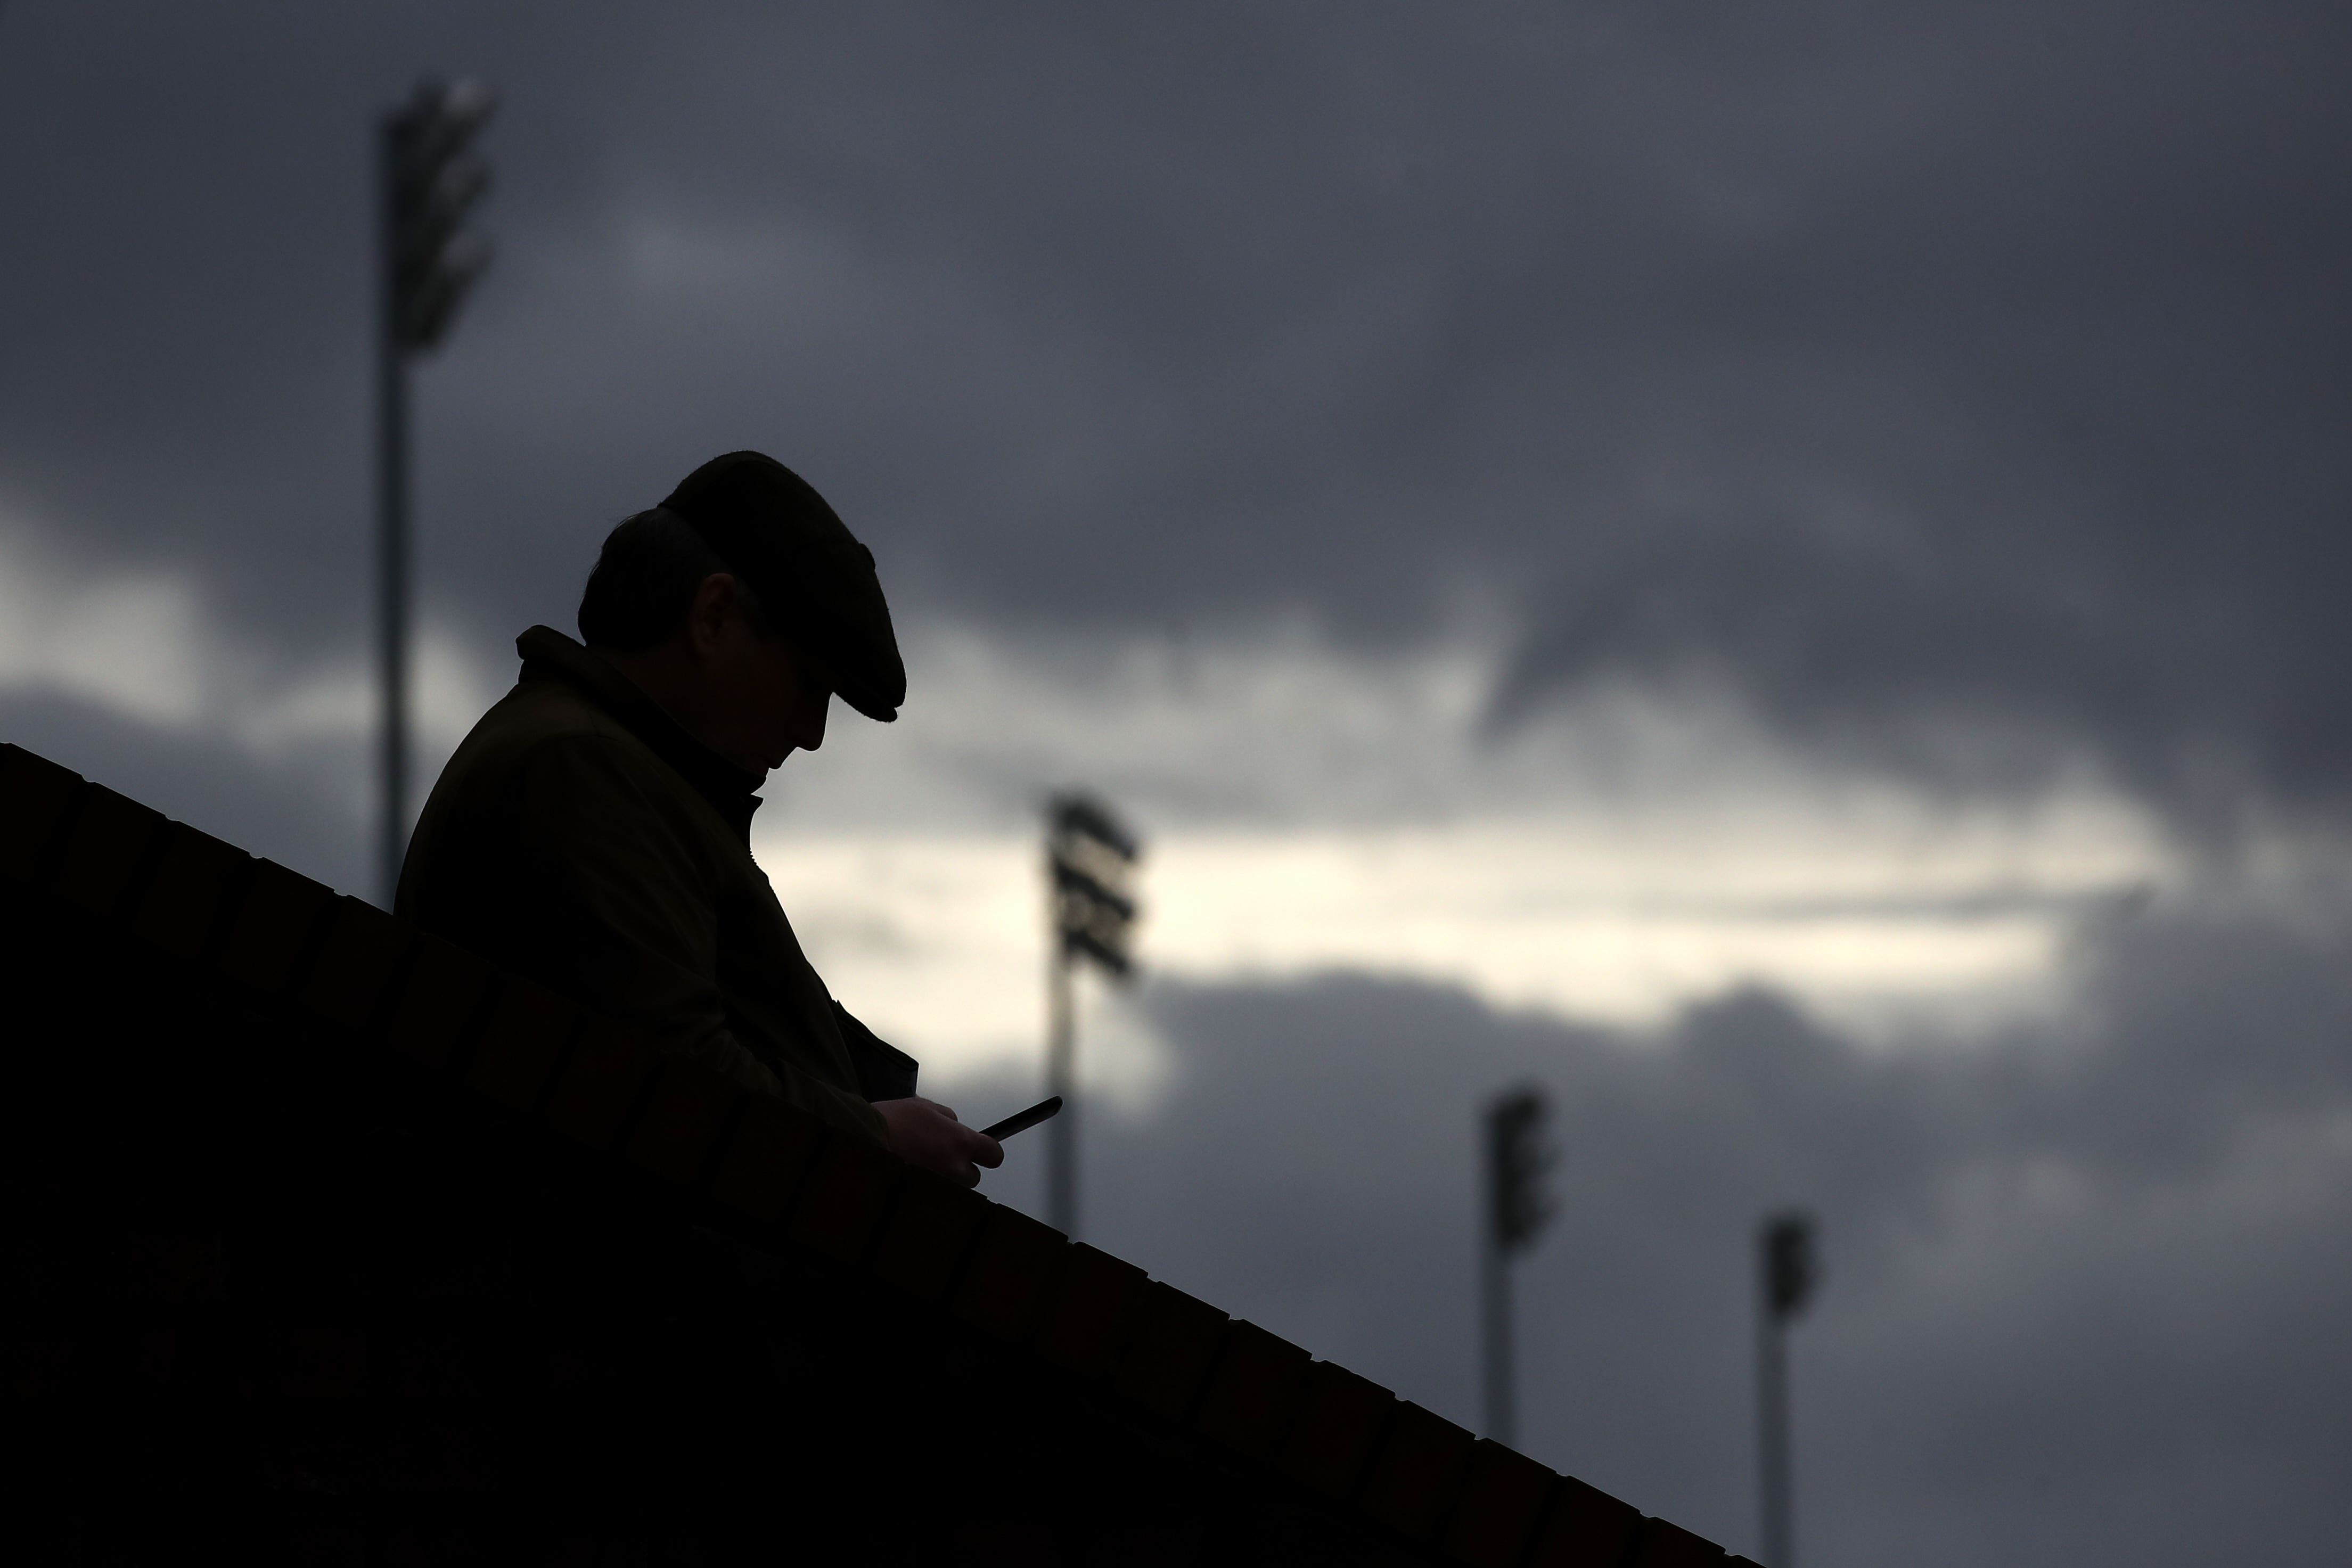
338 1247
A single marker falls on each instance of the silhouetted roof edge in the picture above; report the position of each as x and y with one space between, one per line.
780 1181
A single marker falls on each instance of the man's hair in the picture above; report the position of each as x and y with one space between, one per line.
646 579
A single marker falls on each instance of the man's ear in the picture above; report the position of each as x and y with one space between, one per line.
706 618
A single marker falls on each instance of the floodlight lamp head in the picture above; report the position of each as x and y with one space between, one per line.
466 103
1791 1268
1090 859
1517 1160
1084 816
432 182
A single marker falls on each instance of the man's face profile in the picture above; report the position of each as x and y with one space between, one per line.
763 698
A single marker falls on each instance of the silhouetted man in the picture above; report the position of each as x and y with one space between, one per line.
594 832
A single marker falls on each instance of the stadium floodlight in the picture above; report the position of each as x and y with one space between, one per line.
434 179
1517 1209
1788 1271
1090 861
428 181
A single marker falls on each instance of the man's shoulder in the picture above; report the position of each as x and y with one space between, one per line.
545 710
544 724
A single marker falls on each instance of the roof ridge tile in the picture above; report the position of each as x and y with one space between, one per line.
1085 1321
106 852
351 979
1415 1474
1503 1495
1015 1268
931 1230
1662 1544
198 884
1173 1343
37 797
275 930
1587 1528
1340 1421
1259 1385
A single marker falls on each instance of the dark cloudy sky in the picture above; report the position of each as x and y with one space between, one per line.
1779 570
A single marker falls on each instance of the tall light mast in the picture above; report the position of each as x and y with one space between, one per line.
427 180
1089 866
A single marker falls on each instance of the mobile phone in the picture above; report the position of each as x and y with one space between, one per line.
1021 1121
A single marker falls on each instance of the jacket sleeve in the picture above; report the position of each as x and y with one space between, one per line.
884 1072
629 919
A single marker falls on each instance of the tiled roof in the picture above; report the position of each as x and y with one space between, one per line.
258 1030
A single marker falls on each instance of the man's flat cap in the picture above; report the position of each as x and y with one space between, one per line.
772 529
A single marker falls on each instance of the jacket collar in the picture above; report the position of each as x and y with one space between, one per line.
548 655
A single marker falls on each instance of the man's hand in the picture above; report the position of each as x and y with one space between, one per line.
924 1132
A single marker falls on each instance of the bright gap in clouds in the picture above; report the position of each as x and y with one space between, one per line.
1304 809
144 645
1307 811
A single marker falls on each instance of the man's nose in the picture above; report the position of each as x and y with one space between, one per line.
810 723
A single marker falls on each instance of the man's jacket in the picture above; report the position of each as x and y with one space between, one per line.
580 836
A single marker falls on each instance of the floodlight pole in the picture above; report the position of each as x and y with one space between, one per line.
1785 1278
1090 915
426 180
1773 1437
392 521
1515 1208
1061 1078
1495 1277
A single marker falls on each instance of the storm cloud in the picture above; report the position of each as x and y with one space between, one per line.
2084 1282
1247 403
1921 375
